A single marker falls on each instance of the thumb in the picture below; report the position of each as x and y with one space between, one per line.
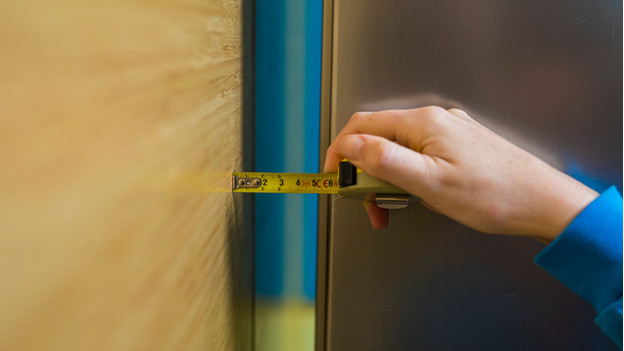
389 161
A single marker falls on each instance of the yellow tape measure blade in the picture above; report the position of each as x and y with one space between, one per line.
302 183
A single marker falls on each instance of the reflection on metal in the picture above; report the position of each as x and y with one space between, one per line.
532 145
545 74
391 202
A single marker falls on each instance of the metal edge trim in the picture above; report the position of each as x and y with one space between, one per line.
324 210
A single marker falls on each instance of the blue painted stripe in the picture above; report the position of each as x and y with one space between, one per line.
287 110
269 131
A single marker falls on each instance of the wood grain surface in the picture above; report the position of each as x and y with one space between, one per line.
120 122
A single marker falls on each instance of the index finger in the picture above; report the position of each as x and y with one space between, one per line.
393 125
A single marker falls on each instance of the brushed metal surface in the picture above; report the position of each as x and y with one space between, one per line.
322 248
545 74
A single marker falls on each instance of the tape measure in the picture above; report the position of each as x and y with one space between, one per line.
350 182
301 183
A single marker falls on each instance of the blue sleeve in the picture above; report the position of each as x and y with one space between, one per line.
587 258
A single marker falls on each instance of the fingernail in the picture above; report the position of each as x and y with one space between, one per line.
351 147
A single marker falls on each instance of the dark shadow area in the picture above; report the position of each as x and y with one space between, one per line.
240 225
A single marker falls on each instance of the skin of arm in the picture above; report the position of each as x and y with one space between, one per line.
460 169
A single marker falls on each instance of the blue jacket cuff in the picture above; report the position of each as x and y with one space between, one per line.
587 255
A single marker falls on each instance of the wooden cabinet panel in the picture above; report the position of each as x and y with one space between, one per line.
119 124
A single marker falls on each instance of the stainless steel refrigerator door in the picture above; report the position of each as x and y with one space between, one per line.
546 75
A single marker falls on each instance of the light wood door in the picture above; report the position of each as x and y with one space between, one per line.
119 124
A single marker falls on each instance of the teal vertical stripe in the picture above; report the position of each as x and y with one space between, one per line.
269 138
287 117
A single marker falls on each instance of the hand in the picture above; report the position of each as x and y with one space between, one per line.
460 169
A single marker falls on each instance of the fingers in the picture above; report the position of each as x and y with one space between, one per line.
407 127
386 145
387 160
378 216
376 123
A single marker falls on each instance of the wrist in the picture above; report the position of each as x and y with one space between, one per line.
567 201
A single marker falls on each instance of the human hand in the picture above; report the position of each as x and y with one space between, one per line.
460 169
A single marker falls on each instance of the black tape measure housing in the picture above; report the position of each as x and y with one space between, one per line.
347 174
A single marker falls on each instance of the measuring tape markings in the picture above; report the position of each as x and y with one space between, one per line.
310 183
353 184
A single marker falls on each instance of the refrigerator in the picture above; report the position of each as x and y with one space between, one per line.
546 75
